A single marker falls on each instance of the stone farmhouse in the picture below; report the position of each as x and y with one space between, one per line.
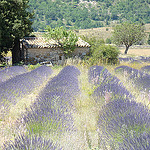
39 50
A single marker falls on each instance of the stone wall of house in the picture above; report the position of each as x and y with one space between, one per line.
51 55
81 51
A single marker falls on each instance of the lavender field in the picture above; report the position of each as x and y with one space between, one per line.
75 107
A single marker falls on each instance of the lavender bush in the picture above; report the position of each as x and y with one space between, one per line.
143 82
140 79
120 119
125 59
23 142
95 74
52 111
124 69
108 86
139 59
146 69
141 142
11 72
21 85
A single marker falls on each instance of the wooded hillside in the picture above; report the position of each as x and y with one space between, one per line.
83 14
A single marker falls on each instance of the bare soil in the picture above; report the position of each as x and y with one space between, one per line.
137 52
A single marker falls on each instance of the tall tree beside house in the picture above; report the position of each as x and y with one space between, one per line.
15 23
128 34
66 39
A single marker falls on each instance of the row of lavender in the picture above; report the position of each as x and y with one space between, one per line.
140 78
120 120
51 114
55 102
108 86
15 88
122 123
139 59
11 72
146 69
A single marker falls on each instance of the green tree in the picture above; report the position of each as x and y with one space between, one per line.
65 38
78 14
15 23
128 34
94 42
108 41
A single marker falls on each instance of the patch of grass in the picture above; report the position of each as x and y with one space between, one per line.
86 111
44 127
32 67
57 67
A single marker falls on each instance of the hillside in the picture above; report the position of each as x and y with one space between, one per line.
82 14
106 32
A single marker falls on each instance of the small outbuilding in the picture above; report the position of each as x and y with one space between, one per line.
39 50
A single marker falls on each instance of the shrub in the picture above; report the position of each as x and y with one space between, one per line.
105 54
108 41
94 42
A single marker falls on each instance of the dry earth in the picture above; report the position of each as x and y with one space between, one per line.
137 52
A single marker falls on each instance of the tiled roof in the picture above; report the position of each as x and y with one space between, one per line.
41 42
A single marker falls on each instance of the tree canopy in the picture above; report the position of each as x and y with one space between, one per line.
87 14
65 38
15 23
128 34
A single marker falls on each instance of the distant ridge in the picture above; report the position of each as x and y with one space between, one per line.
81 14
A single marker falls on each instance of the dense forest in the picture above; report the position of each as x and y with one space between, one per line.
80 14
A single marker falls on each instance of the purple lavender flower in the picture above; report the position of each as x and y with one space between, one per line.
125 59
136 61
95 74
143 82
128 72
120 118
70 70
19 86
144 59
140 142
52 110
122 69
146 69
11 72
24 142
138 78
114 90
108 86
